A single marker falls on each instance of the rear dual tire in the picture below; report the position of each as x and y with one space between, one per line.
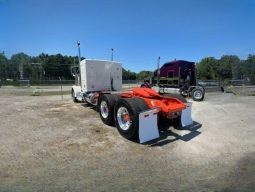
123 112
106 103
129 128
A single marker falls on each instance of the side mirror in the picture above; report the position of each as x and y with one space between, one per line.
74 71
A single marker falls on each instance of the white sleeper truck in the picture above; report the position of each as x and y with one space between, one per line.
96 76
134 112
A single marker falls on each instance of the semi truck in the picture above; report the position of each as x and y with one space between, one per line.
134 112
178 77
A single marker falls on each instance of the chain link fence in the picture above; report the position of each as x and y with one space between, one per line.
240 82
27 82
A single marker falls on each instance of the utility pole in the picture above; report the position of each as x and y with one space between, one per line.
112 53
79 52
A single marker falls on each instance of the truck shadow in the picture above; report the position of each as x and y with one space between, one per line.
169 134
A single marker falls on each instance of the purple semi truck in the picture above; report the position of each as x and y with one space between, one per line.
179 76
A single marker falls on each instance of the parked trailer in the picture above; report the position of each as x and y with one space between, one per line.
135 112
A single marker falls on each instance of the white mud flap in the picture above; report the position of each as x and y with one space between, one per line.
148 125
186 118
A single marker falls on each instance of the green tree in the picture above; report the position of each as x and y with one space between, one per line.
18 62
207 68
55 66
248 69
3 66
144 75
128 75
229 67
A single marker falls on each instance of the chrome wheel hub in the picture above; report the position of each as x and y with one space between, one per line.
104 110
198 94
123 118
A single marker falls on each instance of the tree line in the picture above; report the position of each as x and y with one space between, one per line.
35 68
226 68
51 67
48 67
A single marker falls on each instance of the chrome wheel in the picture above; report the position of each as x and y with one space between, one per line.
198 94
123 118
104 110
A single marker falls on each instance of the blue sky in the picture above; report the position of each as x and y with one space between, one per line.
138 30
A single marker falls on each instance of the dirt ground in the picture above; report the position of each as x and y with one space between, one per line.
49 144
